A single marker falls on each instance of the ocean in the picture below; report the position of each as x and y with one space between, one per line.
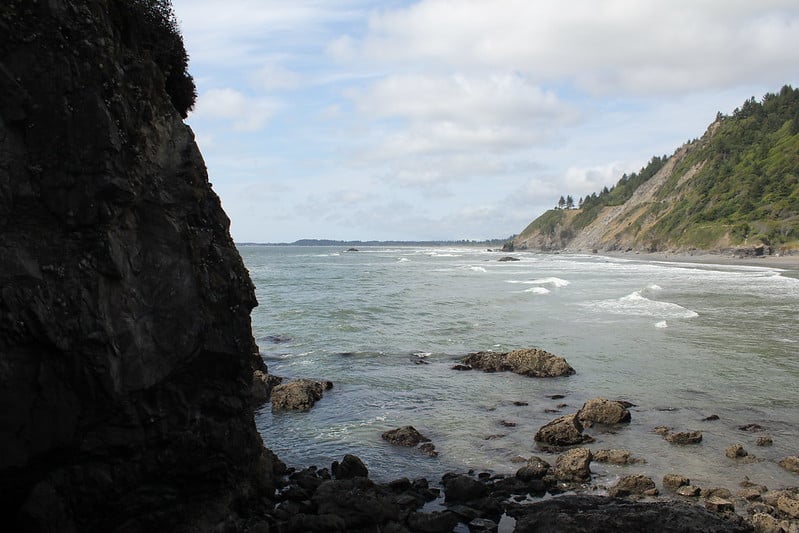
680 341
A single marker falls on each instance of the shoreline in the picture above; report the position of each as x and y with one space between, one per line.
783 262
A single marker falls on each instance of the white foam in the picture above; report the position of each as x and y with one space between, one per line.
661 324
639 305
538 290
555 282
403 260
654 287
477 269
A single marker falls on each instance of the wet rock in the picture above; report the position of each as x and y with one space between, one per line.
529 362
662 430
790 463
689 491
684 437
764 440
765 523
788 504
735 451
508 258
564 431
573 465
461 367
711 418
633 485
482 525
719 505
351 466
298 395
675 481
262 385
595 514
752 494
520 404
358 501
404 436
429 449
603 411
536 468
751 427
616 457
717 492
435 522
507 424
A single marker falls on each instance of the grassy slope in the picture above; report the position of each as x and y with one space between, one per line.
738 185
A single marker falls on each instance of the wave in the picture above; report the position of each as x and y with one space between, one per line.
403 260
661 324
555 282
639 305
538 290
477 269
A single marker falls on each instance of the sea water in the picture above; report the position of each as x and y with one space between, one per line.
680 341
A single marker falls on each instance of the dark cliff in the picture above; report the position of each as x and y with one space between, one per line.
126 352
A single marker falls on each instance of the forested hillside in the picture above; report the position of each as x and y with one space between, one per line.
737 186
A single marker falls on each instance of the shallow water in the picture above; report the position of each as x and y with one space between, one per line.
680 341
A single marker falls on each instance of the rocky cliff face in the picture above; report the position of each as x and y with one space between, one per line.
126 352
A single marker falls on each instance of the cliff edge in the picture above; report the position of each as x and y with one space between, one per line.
126 352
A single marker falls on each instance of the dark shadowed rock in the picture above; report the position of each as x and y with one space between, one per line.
563 431
508 258
262 385
435 522
298 395
530 362
595 514
463 489
125 340
603 411
351 466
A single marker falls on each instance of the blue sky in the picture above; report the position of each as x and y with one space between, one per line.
458 119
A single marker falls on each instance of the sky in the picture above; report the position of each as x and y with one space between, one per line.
458 119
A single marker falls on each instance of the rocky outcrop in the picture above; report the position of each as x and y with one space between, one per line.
684 437
125 341
574 465
633 485
530 362
298 395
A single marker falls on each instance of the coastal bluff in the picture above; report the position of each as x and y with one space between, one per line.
126 351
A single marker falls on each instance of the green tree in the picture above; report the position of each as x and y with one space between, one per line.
561 203
569 202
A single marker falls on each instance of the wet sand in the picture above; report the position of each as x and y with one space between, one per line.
783 262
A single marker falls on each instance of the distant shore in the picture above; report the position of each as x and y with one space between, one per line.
786 262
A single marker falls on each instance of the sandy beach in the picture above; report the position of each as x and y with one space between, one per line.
785 262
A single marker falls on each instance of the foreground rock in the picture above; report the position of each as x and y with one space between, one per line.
531 363
683 437
574 465
595 514
616 457
298 395
409 436
791 463
125 341
634 485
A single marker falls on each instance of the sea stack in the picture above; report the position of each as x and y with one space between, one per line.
126 352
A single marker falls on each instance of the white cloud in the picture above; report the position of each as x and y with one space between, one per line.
606 46
246 114
275 77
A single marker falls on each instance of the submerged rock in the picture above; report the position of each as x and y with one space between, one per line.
531 362
616 457
684 437
298 395
404 436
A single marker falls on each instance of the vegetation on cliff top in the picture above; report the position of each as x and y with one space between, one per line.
151 26
739 184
